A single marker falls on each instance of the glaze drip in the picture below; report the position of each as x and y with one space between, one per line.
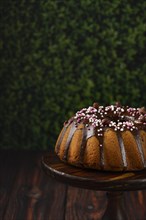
71 133
101 146
139 145
90 131
83 146
122 148
60 139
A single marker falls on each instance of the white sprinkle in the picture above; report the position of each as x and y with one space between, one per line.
112 107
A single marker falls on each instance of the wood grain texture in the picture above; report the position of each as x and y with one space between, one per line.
27 193
91 205
32 195
85 204
136 204
7 176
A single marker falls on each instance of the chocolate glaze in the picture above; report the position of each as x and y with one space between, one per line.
90 132
71 133
101 138
122 148
60 139
139 145
93 132
83 145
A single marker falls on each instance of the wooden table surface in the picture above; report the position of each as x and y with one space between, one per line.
26 193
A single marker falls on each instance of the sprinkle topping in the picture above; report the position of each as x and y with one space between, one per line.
117 117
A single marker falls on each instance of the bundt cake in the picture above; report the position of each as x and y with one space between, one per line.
111 138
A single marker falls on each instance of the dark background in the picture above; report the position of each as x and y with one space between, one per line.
60 56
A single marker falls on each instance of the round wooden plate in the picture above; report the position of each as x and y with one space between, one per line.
93 179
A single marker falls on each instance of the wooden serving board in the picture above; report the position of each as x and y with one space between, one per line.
93 179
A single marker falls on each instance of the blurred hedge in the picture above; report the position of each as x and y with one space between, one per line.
59 56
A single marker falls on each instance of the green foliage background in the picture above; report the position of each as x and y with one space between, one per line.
59 56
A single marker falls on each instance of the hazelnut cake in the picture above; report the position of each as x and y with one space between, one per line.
111 138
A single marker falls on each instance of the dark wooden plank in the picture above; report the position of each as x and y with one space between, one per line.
85 204
91 205
136 204
116 208
53 206
8 171
34 195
